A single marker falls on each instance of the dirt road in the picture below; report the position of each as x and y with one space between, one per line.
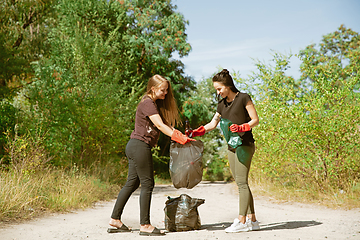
277 221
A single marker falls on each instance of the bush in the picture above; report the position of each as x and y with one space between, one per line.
7 125
24 195
309 128
30 186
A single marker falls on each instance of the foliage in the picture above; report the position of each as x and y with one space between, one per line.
31 186
77 70
26 153
24 26
199 109
7 125
23 195
102 53
309 128
217 166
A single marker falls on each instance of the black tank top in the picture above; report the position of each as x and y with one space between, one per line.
236 112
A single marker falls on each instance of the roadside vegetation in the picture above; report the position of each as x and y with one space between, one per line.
72 73
309 136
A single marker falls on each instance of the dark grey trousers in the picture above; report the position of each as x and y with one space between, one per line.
141 171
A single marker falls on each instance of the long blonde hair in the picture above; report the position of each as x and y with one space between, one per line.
167 107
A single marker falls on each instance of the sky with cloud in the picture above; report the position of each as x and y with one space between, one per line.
232 33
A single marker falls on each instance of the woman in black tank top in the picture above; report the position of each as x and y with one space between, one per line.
237 109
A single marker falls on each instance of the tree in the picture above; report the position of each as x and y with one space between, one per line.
338 51
24 26
309 127
102 54
199 109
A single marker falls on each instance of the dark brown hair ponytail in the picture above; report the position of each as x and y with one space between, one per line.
225 78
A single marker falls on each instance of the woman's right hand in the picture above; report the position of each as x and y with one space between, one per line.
197 132
177 136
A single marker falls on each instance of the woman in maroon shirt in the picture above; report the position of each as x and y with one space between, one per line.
157 111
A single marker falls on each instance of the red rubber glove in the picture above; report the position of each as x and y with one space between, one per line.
240 128
198 132
177 136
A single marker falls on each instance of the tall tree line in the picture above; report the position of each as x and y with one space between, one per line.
78 69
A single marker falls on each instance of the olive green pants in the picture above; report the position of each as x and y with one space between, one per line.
240 171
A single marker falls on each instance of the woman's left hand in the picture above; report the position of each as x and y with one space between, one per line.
240 128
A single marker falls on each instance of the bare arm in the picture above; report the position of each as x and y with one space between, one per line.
213 123
158 122
253 114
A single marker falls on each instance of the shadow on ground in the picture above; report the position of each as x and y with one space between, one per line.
265 227
216 226
288 225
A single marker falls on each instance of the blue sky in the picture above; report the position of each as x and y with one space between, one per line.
231 33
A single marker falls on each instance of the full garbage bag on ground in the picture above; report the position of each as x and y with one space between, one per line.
181 213
185 165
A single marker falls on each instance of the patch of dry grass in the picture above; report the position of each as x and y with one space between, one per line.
24 195
331 198
29 186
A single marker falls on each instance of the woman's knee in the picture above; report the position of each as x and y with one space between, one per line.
148 184
132 184
242 185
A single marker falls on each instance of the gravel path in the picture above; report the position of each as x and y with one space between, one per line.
277 220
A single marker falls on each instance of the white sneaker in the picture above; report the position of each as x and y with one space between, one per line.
237 226
253 226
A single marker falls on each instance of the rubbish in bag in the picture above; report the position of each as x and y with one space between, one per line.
188 129
185 165
232 138
181 213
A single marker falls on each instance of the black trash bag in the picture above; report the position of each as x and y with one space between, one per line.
181 213
185 167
